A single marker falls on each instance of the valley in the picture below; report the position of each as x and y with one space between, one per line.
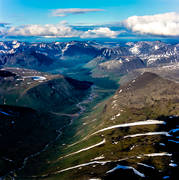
85 110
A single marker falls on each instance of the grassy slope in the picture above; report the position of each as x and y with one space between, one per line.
41 164
150 97
39 127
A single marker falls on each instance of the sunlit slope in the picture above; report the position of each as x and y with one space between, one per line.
133 134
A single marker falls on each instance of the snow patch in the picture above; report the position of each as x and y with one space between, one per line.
82 165
39 78
114 101
148 134
135 49
162 144
139 123
56 43
14 42
118 115
120 91
158 154
133 147
174 130
35 78
133 81
84 149
126 167
98 158
173 165
65 48
113 118
146 165
156 47
173 141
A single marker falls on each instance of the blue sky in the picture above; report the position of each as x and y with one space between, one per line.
92 12
38 11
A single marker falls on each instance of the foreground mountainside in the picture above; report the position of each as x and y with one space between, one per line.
34 109
101 59
122 125
134 134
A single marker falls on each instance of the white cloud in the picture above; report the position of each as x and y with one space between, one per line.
48 30
100 32
160 24
62 30
65 12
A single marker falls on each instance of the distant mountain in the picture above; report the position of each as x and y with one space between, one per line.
36 55
100 58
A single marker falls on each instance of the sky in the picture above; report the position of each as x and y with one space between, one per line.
88 19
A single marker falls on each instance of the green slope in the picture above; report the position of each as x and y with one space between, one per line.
148 106
35 108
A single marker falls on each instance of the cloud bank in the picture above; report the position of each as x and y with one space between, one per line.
160 24
54 30
65 12
60 30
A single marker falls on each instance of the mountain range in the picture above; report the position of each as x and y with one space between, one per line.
100 58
